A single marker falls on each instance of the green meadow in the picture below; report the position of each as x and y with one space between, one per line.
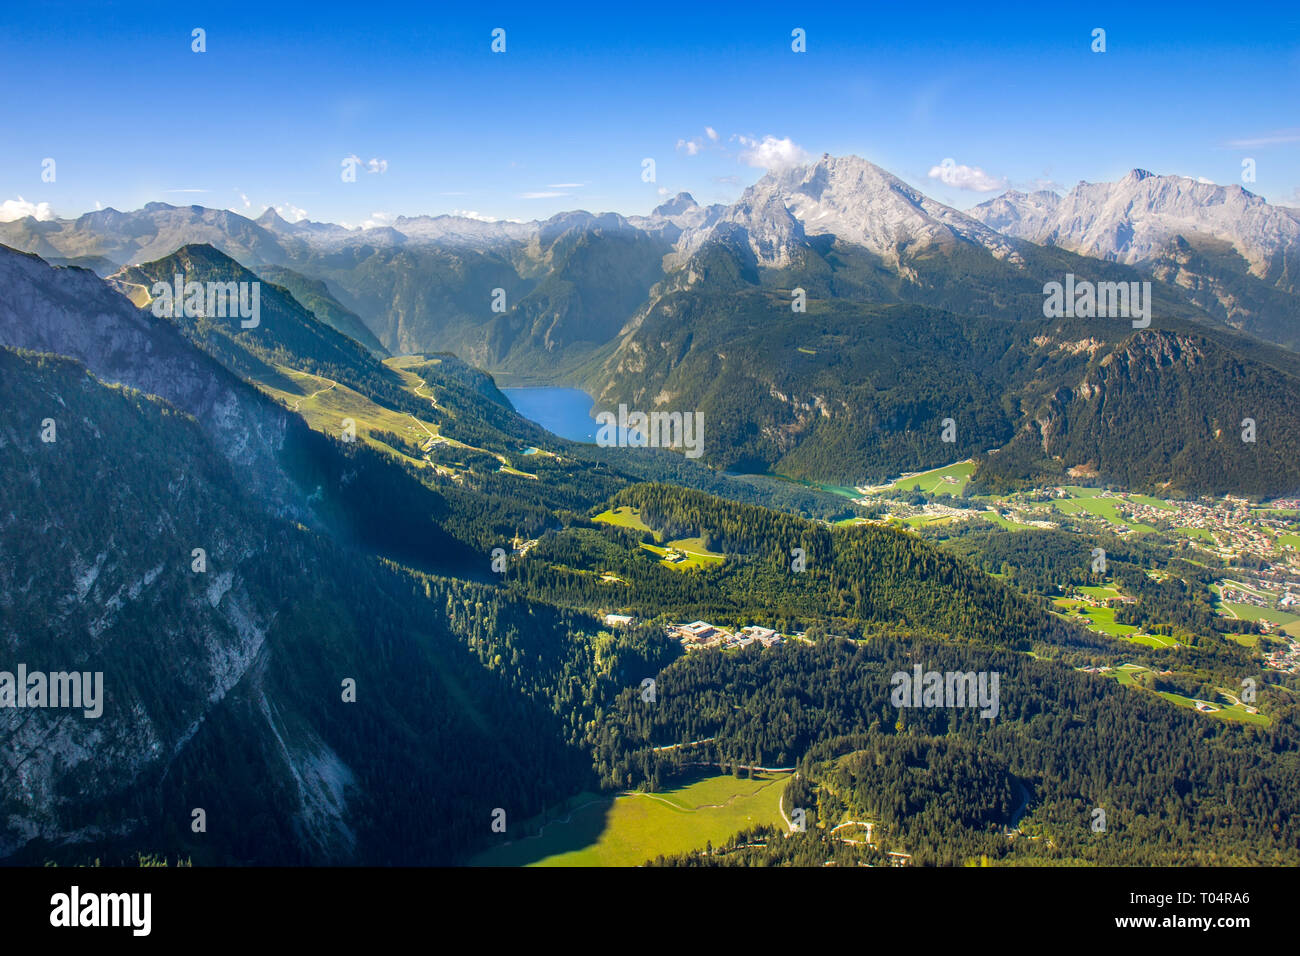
1100 619
949 480
624 517
1007 523
697 555
631 828
1225 710
1089 501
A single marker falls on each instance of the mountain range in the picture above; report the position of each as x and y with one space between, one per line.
670 310
242 525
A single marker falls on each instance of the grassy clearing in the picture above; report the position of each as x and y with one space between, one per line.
1099 619
696 554
1006 523
632 828
692 559
623 516
325 404
1249 612
918 521
1089 501
694 547
1225 709
949 480
1153 640
1104 592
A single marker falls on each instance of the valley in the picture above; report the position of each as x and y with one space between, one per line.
921 469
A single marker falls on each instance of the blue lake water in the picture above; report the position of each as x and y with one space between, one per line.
562 411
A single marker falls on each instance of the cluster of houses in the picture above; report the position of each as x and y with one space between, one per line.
1238 596
704 634
1285 659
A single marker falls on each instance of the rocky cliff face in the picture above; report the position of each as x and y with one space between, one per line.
74 313
1134 219
129 551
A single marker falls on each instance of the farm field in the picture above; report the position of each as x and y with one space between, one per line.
1103 592
634 827
1290 623
1249 612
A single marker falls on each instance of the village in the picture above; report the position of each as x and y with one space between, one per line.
701 634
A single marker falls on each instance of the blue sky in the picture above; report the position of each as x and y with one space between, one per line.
1013 95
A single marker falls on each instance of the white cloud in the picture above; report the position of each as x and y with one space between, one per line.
370 166
19 208
696 144
1271 139
961 176
247 209
545 195
378 220
771 153
291 213
471 214
565 185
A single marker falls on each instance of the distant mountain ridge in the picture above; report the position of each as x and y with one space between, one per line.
426 283
1237 255
651 310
